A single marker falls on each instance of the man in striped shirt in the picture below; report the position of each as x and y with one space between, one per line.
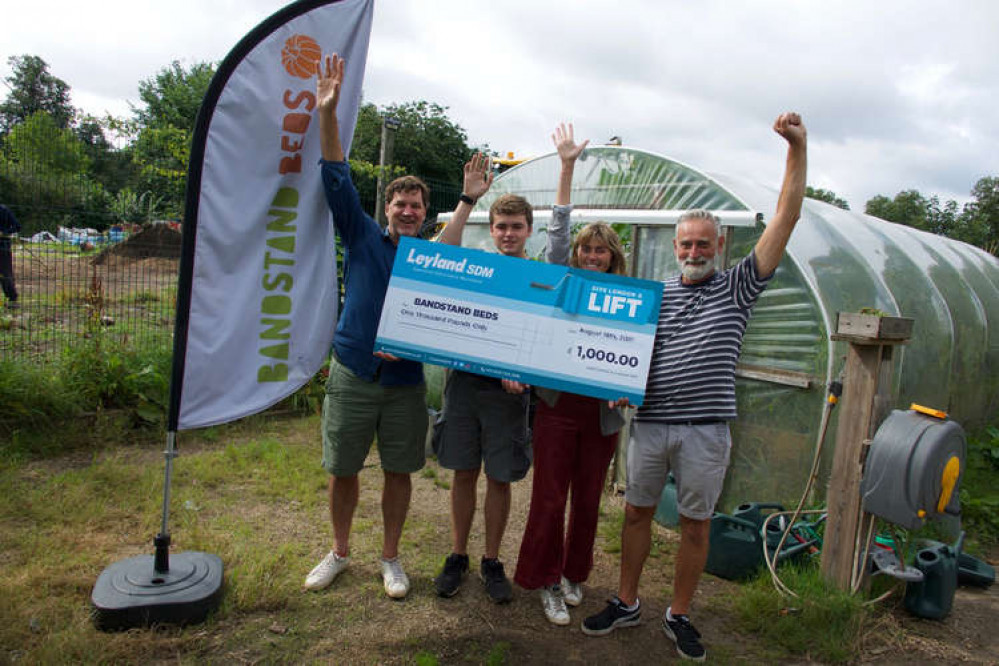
690 397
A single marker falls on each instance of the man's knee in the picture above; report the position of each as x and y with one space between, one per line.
695 532
637 516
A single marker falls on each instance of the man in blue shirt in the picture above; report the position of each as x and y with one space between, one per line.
371 395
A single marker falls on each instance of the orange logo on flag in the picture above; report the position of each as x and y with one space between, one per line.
300 56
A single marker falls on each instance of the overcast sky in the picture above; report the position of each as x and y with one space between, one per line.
896 94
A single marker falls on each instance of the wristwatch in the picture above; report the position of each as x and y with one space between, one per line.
467 199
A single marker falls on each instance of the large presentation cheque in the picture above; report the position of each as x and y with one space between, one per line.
554 326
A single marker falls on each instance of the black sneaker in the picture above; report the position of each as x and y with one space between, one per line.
610 618
449 579
497 584
685 636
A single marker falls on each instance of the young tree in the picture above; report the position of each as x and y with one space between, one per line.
34 89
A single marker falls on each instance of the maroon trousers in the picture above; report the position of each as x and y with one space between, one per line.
569 454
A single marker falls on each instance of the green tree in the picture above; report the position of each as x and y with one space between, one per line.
427 143
827 196
164 126
367 135
110 166
908 207
980 217
46 173
34 89
173 96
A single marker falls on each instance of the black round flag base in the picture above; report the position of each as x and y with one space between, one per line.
132 593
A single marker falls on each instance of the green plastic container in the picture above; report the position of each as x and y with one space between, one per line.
973 571
756 512
667 513
736 548
934 596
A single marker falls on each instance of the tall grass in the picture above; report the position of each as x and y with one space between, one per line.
824 624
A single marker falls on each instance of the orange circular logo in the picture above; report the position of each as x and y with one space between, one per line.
300 56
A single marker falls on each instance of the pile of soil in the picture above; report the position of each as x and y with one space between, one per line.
156 240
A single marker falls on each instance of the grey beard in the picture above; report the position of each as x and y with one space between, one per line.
696 273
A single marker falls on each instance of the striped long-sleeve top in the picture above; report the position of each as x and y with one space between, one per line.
698 338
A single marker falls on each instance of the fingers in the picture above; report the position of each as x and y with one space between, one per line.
511 386
785 120
331 67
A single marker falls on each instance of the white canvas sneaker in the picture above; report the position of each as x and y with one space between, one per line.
395 579
324 572
572 592
554 604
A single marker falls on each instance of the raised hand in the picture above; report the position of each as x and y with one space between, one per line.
789 126
478 177
329 77
565 143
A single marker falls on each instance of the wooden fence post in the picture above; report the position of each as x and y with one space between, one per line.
866 401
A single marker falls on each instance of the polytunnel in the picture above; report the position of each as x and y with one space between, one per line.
836 261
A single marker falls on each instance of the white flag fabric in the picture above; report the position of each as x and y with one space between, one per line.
259 263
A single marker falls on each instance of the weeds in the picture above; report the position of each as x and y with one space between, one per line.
823 624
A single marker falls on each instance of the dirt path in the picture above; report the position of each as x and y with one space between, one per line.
272 540
458 630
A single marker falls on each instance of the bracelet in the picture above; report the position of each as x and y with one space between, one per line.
467 199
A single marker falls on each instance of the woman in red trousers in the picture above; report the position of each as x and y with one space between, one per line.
574 436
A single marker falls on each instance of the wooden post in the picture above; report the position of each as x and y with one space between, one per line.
389 126
866 399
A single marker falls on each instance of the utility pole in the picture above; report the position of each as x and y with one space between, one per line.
389 126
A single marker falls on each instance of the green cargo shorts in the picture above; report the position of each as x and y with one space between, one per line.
355 411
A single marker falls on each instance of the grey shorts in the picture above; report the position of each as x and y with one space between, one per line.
697 455
355 411
484 426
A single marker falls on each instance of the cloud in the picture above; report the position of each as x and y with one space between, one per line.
897 94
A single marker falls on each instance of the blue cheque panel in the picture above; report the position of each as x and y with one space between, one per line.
564 328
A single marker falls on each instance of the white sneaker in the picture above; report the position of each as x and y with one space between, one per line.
324 572
554 604
572 592
395 579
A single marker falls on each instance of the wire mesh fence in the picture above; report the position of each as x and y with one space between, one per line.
82 263
68 290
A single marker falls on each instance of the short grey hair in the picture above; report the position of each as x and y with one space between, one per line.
699 214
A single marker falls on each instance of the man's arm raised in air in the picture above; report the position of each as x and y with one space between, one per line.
329 77
770 248
476 182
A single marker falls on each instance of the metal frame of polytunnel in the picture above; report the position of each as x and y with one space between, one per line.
836 260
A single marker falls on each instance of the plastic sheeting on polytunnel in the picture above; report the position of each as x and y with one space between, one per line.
836 261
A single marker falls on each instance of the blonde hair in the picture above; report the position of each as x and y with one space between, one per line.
603 233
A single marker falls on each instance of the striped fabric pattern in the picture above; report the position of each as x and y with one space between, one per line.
692 374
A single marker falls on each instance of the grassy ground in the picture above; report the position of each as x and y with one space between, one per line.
254 494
